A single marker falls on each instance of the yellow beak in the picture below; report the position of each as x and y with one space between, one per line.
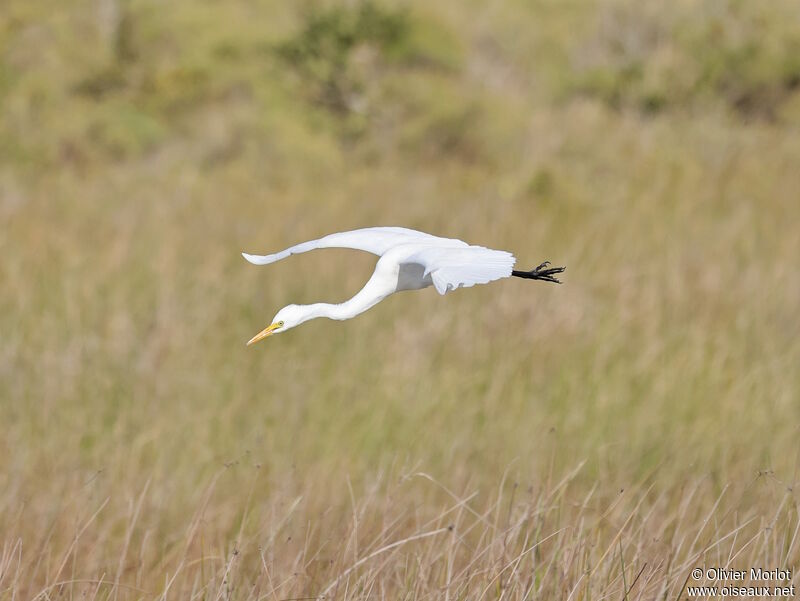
263 333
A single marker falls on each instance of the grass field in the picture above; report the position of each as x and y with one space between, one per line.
594 440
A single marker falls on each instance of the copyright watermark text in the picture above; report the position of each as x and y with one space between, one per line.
752 583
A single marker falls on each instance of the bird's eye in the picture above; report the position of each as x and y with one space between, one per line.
280 324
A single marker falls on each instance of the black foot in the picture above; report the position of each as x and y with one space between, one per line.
542 272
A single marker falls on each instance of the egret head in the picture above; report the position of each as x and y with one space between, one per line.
287 318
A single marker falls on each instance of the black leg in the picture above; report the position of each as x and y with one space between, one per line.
542 272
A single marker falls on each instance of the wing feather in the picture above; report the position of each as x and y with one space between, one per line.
451 268
375 240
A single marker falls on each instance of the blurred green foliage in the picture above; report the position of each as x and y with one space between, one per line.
652 57
408 78
351 58
323 51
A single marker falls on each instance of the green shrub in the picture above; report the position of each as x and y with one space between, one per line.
652 58
341 53
323 53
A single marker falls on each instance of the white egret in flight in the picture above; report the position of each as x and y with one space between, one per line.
409 260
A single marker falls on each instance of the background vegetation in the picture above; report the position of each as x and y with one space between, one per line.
591 440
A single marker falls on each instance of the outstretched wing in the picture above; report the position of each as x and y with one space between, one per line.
451 268
375 240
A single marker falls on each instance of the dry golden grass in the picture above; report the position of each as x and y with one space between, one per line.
514 441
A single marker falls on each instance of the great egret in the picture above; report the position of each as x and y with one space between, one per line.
409 260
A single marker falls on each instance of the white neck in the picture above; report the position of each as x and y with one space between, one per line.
367 297
344 310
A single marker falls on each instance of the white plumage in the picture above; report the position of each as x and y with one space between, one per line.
409 260
375 240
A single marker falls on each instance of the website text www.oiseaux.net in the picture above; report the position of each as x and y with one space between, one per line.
753 583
